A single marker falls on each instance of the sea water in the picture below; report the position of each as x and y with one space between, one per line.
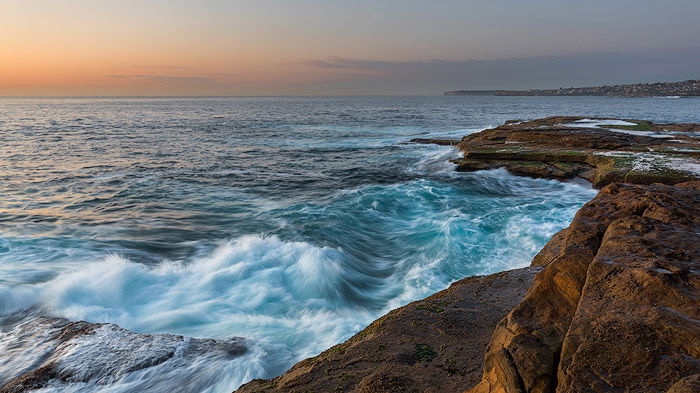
290 222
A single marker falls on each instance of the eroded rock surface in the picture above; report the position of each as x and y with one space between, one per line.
617 307
432 345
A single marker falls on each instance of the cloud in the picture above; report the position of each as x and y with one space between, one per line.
435 76
135 76
167 78
197 84
334 62
339 75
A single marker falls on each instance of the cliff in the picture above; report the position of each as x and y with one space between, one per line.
615 300
616 307
661 89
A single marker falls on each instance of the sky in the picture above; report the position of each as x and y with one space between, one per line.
333 47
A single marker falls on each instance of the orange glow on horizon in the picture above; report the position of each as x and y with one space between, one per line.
278 47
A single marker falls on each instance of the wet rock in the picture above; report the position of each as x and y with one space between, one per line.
680 127
443 142
689 384
615 307
99 354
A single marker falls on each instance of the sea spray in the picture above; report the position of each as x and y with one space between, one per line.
377 248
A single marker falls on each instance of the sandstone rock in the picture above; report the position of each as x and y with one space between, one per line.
636 324
551 250
689 384
681 127
616 307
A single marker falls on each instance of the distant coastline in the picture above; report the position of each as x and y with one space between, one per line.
687 88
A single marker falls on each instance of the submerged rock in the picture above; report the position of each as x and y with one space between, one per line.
443 142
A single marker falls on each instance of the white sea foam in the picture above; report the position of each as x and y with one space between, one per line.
653 134
168 178
436 159
651 162
107 358
293 299
599 122
16 298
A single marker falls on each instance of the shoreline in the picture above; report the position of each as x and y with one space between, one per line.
575 323
517 330
688 88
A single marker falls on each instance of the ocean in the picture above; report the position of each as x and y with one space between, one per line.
289 222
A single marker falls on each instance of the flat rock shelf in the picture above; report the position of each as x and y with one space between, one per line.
600 150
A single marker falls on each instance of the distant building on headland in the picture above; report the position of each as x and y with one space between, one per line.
661 89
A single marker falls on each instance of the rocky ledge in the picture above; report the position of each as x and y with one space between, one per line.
611 303
600 150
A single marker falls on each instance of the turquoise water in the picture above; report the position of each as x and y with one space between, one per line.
290 222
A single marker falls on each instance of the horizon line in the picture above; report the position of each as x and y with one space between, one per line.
222 96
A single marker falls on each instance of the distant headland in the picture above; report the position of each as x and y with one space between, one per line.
661 89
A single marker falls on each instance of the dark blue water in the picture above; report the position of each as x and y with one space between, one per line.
292 222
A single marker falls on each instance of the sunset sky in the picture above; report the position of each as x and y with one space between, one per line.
316 47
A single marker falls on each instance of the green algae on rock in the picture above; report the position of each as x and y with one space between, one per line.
600 150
